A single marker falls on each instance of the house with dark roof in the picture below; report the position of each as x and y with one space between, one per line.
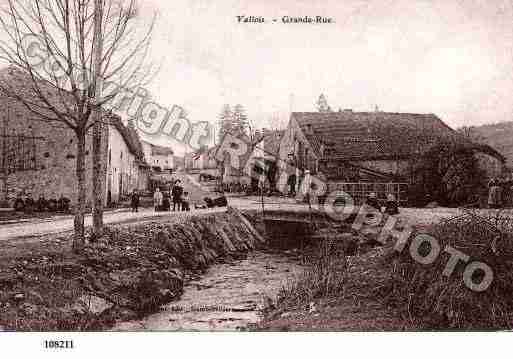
349 146
38 157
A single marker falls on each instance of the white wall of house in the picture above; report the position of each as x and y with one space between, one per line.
204 162
123 171
164 162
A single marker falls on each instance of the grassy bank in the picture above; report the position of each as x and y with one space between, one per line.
131 271
383 289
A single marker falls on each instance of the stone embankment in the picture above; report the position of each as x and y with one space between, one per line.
129 272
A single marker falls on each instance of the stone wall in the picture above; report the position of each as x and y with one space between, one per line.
52 166
52 172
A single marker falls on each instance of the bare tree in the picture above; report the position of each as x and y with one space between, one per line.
68 51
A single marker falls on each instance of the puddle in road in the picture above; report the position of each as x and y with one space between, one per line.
227 297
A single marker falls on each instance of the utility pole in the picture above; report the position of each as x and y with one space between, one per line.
98 158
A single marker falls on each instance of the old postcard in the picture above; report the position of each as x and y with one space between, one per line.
254 166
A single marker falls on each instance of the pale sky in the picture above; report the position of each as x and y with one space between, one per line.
451 58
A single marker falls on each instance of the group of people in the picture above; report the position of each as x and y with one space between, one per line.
29 205
179 197
391 205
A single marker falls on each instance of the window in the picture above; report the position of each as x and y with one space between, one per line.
18 153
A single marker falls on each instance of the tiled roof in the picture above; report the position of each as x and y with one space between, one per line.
130 136
369 135
161 150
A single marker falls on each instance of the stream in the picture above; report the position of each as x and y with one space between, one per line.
227 297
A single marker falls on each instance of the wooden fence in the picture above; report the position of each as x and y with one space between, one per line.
359 191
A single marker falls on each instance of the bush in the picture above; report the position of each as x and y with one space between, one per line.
436 301
324 276
448 173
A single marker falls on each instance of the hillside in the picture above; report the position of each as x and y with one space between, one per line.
499 136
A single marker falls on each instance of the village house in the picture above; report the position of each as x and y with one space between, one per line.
160 158
38 156
127 168
350 150
264 159
202 161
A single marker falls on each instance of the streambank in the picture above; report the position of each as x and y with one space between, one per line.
128 273
229 296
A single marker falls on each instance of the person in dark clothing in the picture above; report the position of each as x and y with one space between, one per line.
134 201
216 202
30 204
373 202
221 201
292 185
209 202
185 202
391 206
19 203
62 204
41 204
166 203
176 193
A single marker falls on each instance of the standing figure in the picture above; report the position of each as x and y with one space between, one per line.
372 201
292 185
177 195
19 203
41 204
166 203
494 194
185 202
391 206
62 204
29 204
157 199
134 201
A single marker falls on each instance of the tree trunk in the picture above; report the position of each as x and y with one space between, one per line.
98 158
78 238
98 179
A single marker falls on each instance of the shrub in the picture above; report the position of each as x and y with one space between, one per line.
436 301
324 276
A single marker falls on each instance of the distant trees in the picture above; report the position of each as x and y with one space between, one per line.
225 122
240 121
233 121
322 104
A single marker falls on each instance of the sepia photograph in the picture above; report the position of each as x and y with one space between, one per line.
336 168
